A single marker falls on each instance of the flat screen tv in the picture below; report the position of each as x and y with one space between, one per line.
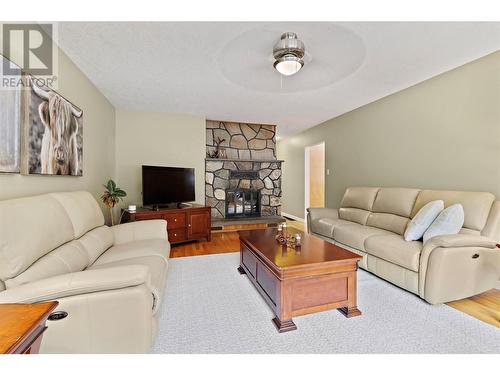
166 185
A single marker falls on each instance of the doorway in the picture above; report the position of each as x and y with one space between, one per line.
315 176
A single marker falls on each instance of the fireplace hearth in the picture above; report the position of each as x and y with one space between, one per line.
242 203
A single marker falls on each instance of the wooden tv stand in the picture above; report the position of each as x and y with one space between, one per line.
183 224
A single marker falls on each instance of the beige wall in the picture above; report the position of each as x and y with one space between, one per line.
98 141
158 139
443 133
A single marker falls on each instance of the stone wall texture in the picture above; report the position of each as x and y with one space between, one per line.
249 148
243 141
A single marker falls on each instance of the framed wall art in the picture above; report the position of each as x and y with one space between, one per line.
53 133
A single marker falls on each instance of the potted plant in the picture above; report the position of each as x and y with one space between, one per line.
111 196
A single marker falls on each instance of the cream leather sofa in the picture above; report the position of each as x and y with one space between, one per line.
371 222
109 280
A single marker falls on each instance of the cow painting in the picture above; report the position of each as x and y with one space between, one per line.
55 134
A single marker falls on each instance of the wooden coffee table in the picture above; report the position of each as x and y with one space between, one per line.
320 276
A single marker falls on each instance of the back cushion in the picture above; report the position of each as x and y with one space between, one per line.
391 209
70 257
492 227
359 197
354 214
82 209
30 228
96 242
476 205
397 201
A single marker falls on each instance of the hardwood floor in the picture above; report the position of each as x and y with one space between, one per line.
221 243
485 306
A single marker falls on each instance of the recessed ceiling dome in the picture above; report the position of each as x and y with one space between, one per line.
332 53
288 53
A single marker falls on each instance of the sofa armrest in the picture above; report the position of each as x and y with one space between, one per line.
317 213
460 240
457 266
139 230
71 284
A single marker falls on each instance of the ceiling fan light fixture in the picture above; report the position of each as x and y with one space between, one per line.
288 53
288 65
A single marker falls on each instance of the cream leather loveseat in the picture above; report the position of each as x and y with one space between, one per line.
109 280
371 222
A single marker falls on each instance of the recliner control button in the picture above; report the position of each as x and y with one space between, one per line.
58 315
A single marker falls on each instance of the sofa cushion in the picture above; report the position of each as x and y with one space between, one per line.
354 235
397 201
70 257
355 215
449 221
96 242
423 220
477 205
393 248
390 222
82 209
359 197
30 228
134 249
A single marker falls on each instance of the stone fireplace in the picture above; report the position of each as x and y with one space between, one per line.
247 181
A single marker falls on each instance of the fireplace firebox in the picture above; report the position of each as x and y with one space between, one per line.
242 203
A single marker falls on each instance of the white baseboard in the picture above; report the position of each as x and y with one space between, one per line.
293 217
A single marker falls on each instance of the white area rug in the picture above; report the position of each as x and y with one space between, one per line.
209 307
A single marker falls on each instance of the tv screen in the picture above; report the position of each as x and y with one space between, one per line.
164 185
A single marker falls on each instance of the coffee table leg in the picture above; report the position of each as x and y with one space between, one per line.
350 312
284 326
241 270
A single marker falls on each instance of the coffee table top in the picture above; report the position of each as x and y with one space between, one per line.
18 321
314 250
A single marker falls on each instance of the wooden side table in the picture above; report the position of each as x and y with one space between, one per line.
22 326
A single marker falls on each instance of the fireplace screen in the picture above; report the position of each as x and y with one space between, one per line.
242 203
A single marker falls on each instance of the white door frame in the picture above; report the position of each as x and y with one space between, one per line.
307 175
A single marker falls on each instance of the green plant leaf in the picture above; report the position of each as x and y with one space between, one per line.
113 194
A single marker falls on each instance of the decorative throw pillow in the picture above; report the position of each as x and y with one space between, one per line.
449 221
422 220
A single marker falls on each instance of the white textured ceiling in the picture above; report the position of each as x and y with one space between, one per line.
224 70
